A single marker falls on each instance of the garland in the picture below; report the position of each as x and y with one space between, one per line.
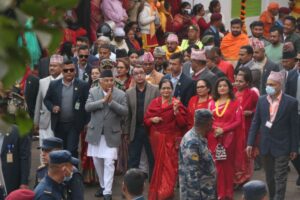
224 109
243 15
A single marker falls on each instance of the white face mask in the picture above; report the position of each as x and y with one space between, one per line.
209 47
270 90
188 11
68 178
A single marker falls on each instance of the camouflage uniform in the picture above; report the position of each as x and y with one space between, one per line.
197 172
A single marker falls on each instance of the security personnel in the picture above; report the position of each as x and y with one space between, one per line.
59 169
197 172
73 187
48 145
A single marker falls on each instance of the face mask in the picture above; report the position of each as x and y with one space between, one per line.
270 90
68 178
188 11
209 47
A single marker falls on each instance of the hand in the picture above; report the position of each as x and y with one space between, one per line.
218 131
23 186
176 106
293 155
108 97
249 151
156 120
247 113
55 109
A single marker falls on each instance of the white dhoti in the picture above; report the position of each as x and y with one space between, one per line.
104 161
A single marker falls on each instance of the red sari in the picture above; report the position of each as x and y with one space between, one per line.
230 122
194 105
244 166
165 139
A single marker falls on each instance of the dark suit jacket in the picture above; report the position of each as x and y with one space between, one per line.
43 67
80 94
87 73
184 89
17 172
269 66
208 75
282 138
30 93
217 72
150 93
216 35
292 83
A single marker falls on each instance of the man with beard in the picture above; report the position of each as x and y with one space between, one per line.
232 42
274 50
257 31
268 17
289 34
172 45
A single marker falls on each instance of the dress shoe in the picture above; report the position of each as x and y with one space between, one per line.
99 192
107 197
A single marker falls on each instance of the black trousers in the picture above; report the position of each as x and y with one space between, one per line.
296 162
69 135
141 140
276 171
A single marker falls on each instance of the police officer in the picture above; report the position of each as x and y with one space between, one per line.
48 145
73 187
197 172
59 169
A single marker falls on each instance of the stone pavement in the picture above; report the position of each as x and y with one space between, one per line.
293 193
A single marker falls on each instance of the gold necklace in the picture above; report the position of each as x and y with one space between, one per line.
224 109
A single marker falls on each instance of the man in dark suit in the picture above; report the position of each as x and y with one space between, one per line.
263 64
15 159
276 118
184 87
65 99
83 67
292 88
31 91
133 185
215 25
138 99
200 69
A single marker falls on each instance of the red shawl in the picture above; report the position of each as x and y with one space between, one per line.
165 139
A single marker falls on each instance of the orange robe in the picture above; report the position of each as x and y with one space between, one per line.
230 46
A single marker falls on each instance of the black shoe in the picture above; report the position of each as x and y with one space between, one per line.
107 197
99 192
298 182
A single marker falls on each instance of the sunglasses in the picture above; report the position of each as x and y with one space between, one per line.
83 56
71 70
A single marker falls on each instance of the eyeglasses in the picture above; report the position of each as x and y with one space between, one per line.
71 70
298 59
201 87
83 56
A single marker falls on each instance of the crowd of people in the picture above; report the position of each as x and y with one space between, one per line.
166 91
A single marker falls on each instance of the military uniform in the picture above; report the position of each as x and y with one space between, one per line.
197 172
48 189
41 172
72 189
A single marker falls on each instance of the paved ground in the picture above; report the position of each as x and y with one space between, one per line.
293 193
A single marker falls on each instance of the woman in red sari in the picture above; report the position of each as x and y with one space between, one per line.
248 99
166 119
222 140
200 100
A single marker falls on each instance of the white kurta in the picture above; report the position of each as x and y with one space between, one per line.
102 150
